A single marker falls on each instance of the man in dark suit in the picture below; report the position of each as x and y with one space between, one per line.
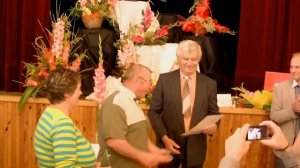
168 112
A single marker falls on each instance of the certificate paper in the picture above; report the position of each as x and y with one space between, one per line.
208 120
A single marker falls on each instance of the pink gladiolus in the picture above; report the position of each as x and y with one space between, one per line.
82 3
58 36
99 78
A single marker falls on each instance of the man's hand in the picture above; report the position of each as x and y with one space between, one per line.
236 145
276 139
164 155
296 105
211 129
149 160
98 165
152 160
171 145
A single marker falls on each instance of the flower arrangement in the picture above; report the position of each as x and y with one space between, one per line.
258 99
55 56
201 21
148 32
87 7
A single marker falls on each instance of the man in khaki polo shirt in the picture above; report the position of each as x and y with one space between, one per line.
123 128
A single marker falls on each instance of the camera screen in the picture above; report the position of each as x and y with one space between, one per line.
257 133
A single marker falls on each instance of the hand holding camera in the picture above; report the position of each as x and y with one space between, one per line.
276 138
267 132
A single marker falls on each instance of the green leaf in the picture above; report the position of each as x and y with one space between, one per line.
36 91
105 159
25 96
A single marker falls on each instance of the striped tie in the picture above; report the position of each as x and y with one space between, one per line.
186 99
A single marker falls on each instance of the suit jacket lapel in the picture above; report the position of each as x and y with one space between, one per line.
291 92
201 88
175 84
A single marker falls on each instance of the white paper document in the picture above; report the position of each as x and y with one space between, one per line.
202 125
224 100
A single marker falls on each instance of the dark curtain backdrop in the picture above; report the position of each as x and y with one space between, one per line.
269 34
18 28
267 38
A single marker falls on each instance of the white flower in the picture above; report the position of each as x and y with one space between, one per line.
154 25
86 11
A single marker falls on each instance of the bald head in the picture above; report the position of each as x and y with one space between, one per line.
134 70
295 67
297 54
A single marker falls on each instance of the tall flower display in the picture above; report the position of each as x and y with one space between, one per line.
201 22
53 56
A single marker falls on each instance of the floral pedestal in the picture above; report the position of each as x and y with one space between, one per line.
159 58
93 20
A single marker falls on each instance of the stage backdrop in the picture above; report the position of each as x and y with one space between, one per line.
18 28
268 36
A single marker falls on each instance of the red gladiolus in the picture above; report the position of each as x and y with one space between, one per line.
161 32
30 82
52 66
201 21
75 65
43 74
148 15
138 39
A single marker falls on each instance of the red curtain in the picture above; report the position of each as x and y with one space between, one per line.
268 36
18 28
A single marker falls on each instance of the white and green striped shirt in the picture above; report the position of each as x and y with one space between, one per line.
59 143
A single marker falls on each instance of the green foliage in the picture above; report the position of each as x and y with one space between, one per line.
25 96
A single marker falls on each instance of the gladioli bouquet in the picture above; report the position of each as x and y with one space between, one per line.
54 56
201 22
258 99
148 32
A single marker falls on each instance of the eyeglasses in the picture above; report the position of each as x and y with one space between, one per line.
145 80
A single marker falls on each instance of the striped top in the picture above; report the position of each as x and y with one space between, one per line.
59 143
